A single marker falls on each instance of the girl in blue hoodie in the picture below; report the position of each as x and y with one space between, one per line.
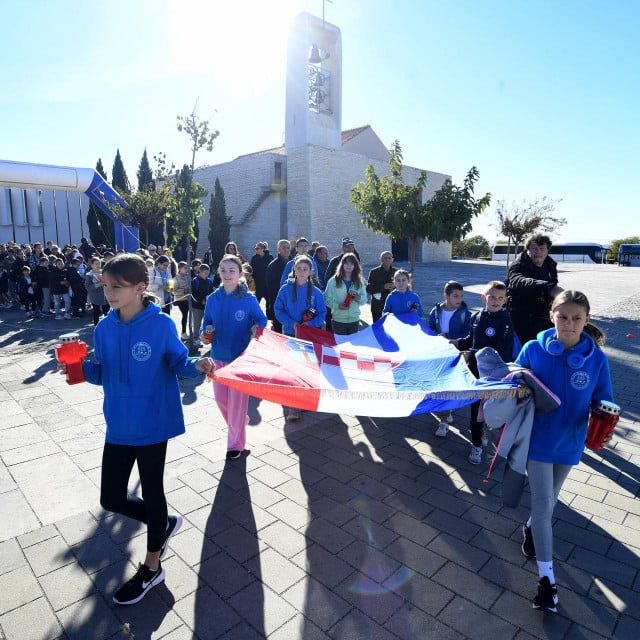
402 299
299 302
233 313
138 358
567 359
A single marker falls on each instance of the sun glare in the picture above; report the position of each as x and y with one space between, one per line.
242 44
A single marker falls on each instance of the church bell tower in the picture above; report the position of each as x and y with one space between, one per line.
314 84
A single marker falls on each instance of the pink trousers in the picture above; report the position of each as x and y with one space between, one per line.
233 405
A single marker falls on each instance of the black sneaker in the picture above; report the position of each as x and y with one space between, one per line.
528 548
174 523
233 455
136 589
547 598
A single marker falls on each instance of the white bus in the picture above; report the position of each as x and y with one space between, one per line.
586 252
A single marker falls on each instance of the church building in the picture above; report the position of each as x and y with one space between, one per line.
303 187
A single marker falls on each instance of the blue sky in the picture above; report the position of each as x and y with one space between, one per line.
542 96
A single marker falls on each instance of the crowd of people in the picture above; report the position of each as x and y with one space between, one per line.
222 307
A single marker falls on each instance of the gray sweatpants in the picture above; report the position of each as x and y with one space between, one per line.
545 481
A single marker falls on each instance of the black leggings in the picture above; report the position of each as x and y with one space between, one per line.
183 305
117 463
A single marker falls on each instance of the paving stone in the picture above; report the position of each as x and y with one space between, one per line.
66 585
191 546
239 543
275 571
206 614
322 565
474 622
468 584
18 587
11 556
369 561
459 552
318 603
284 539
32 621
290 512
263 609
48 555
22 518
411 622
301 627
224 575
426 594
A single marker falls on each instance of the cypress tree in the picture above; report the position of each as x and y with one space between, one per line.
145 175
219 227
120 180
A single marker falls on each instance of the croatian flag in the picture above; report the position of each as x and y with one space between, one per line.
397 367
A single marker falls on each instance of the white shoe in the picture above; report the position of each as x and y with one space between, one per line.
441 431
475 457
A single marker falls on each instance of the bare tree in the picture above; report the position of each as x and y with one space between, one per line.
517 221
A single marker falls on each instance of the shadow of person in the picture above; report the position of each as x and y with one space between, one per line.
103 545
188 388
613 466
367 555
41 371
232 598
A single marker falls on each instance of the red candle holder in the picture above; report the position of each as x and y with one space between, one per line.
71 351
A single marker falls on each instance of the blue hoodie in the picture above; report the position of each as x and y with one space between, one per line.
138 364
401 302
459 324
289 311
232 317
580 378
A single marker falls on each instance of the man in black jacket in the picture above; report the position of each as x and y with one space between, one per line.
259 263
274 274
380 283
532 284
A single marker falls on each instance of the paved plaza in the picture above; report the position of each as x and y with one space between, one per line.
338 526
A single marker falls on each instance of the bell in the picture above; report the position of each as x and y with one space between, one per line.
314 54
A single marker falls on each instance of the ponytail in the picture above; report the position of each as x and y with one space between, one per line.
596 333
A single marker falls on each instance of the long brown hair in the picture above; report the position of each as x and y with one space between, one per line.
356 275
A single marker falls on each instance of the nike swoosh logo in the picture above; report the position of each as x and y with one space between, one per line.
146 584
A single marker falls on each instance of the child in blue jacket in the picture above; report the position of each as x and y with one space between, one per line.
138 358
569 361
450 319
402 299
234 313
299 302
